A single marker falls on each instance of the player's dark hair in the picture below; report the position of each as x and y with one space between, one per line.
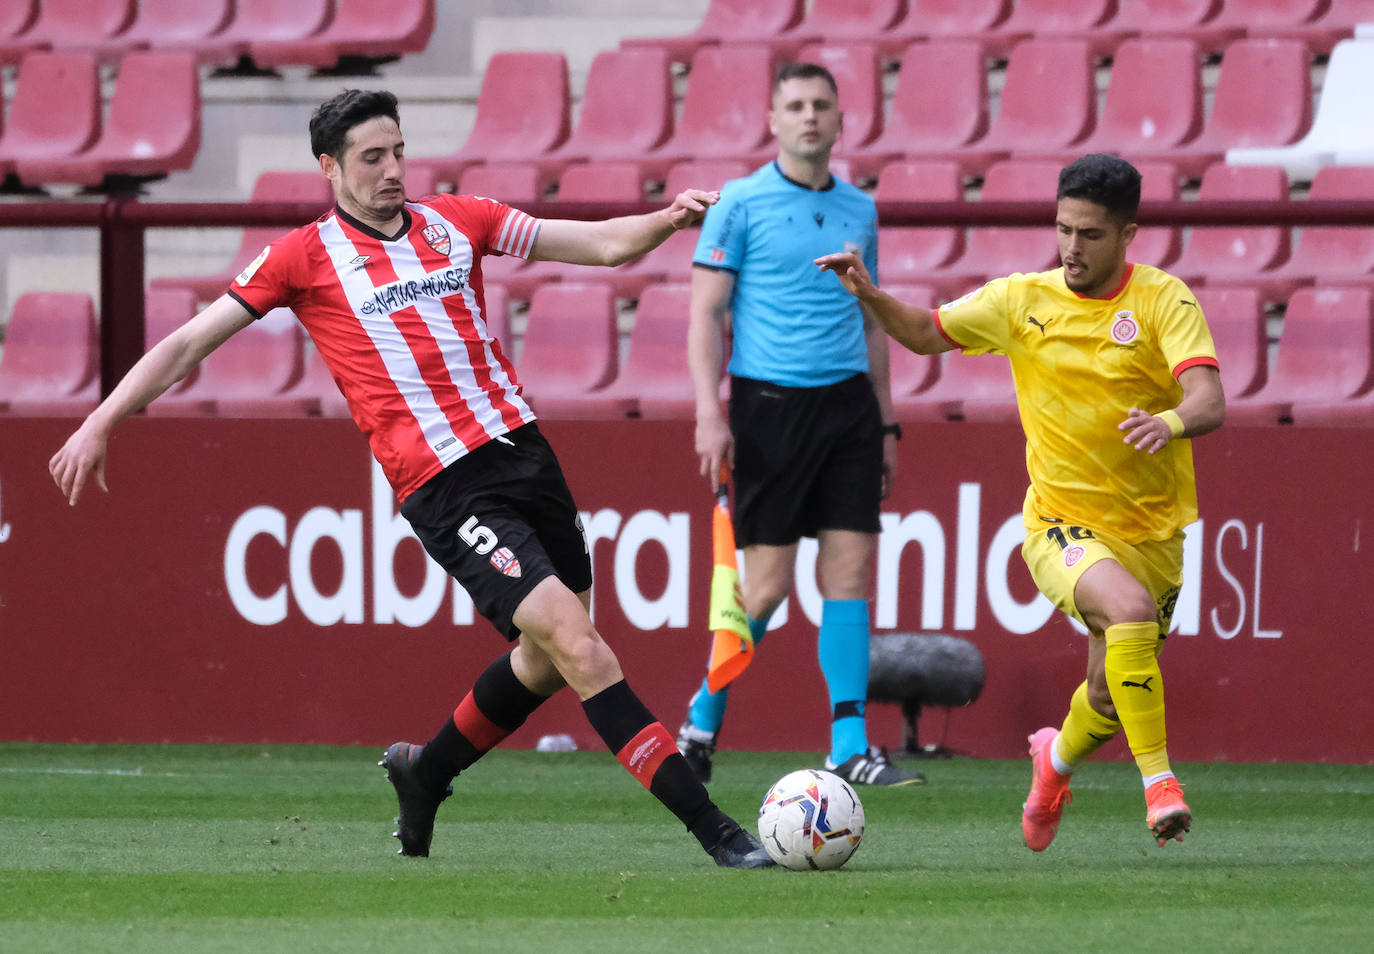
796 70
332 119
1110 181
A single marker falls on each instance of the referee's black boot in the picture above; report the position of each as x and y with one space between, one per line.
418 803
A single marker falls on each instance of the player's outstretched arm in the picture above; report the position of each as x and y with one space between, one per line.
910 326
616 241
1202 410
170 360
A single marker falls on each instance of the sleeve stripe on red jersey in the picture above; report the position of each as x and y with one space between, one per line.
517 234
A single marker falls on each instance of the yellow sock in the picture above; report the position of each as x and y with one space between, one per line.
1085 730
1137 688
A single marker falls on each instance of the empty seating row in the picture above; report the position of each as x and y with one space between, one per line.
997 25
321 33
1153 109
55 132
569 359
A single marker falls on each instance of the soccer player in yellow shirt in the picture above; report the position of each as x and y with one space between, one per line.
1115 372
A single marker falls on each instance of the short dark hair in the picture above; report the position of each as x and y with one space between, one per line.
1110 181
332 119
796 70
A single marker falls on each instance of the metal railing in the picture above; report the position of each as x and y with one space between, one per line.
123 222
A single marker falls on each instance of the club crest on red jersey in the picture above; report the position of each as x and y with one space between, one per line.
436 236
506 561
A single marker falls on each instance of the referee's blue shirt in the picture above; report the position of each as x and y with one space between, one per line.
793 324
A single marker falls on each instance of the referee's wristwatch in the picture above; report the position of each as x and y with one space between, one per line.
894 429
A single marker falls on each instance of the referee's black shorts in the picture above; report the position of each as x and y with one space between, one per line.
806 459
500 520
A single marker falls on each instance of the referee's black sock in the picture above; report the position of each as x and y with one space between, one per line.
498 704
648 752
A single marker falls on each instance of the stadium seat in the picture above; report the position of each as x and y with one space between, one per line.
1049 99
848 21
571 345
16 19
316 394
858 74
177 25
271 186
94 26
724 110
968 388
51 360
1157 245
1090 20
1263 97
166 310
909 373
1236 253
55 109
608 181
1292 18
268 21
1323 32
767 22
655 381
1153 103
523 115
627 107
939 111
1236 318
917 255
928 20
993 251
247 376
1181 19
361 34
152 127
1332 255
514 183
1341 123
1325 356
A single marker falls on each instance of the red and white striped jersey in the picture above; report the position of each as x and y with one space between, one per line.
401 323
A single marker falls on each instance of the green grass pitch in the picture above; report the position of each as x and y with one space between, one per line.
249 848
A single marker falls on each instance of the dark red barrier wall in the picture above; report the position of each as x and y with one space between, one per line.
248 581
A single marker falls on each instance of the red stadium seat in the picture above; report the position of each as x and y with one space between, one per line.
909 373
992 251
916 255
269 21
1299 19
247 376
1089 20
847 21
16 19
767 22
655 382
153 127
952 19
1236 318
514 183
968 388
627 107
724 110
1154 102
1331 255
362 33
51 361
608 181
571 345
1181 19
1236 253
177 25
1325 356
316 394
1157 245
1324 31
272 186
523 115
1263 97
92 25
859 77
55 110
939 111
1049 100
166 310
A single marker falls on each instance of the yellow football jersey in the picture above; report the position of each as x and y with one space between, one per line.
1080 364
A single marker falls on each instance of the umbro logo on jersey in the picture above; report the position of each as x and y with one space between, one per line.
1042 326
436 237
359 261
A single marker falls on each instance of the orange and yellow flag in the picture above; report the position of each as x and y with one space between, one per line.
732 646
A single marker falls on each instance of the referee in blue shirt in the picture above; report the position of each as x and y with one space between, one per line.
810 436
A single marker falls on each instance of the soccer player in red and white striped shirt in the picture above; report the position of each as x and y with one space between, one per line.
390 289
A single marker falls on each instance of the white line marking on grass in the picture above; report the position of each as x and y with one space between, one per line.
12 770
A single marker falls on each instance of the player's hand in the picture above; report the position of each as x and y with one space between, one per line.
714 443
850 270
82 456
1144 431
689 207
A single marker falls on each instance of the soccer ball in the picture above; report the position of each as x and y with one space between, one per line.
811 819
